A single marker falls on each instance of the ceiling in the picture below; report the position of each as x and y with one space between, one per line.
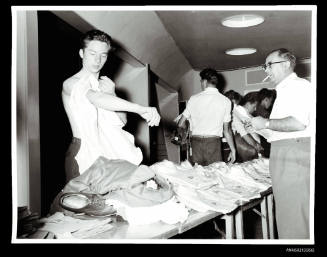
175 42
203 39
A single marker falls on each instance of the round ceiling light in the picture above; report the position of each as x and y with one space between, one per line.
242 20
240 51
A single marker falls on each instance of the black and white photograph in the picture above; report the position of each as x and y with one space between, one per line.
164 125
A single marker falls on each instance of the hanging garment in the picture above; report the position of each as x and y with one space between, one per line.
101 131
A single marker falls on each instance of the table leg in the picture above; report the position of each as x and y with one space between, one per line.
239 224
264 218
229 225
271 217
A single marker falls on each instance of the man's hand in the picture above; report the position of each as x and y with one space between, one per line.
151 115
258 122
231 157
258 147
106 85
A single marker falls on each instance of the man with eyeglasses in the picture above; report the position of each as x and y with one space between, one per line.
291 128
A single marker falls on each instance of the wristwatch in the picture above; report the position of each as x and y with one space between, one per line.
267 124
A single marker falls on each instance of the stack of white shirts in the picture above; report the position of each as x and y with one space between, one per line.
218 187
184 175
170 212
244 191
190 185
205 200
260 177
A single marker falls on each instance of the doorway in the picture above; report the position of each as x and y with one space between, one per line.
58 60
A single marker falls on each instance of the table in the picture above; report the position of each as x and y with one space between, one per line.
158 230
266 213
233 221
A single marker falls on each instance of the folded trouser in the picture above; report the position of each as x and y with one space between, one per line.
289 165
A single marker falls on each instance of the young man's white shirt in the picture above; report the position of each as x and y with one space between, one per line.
207 111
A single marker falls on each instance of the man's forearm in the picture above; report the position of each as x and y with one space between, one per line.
229 138
288 124
112 103
249 139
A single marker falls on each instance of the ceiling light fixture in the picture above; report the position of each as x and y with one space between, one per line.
240 51
242 20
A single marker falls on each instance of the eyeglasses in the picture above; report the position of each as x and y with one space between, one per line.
268 65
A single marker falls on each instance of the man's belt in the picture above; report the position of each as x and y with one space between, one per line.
204 136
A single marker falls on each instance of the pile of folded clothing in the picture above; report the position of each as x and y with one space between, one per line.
217 187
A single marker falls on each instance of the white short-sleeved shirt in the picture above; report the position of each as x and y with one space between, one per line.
294 98
207 112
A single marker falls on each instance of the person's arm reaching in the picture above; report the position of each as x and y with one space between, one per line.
287 124
251 141
114 103
228 134
106 85
182 122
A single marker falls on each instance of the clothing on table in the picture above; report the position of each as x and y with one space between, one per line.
207 112
206 150
101 131
290 158
71 165
290 171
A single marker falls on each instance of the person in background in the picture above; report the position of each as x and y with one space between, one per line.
94 111
246 140
266 99
291 128
209 113
234 96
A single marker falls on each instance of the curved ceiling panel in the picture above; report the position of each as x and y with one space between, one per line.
142 34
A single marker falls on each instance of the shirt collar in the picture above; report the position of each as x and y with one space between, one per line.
284 82
211 89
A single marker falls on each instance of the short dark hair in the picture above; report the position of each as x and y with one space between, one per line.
251 97
233 95
288 55
95 35
265 92
210 75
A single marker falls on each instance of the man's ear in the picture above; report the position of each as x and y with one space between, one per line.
287 64
81 53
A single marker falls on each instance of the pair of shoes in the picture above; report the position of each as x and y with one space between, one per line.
90 204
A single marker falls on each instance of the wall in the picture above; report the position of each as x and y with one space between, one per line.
140 33
236 80
189 84
132 84
28 137
168 107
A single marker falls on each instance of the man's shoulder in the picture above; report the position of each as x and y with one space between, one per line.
71 80
299 84
69 83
